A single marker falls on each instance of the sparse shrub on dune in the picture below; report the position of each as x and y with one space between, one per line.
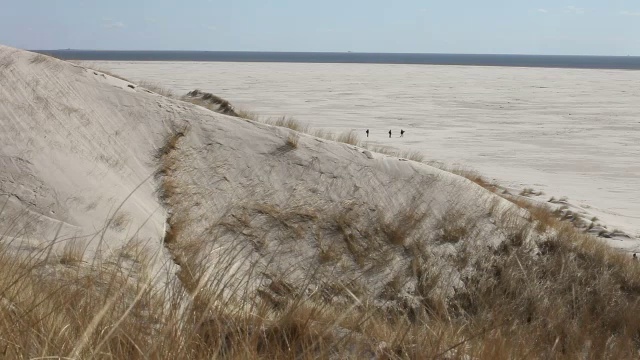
211 102
324 134
247 115
398 228
217 104
453 226
38 59
349 137
471 175
292 140
565 295
156 88
290 123
72 252
412 155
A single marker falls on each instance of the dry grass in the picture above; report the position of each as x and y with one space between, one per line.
217 104
412 155
399 228
324 134
572 299
453 226
349 137
547 291
72 252
211 102
156 88
290 123
244 114
472 175
38 59
292 140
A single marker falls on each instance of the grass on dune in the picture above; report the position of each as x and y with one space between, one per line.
546 291
573 298
157 88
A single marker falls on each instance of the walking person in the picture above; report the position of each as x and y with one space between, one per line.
367 132
389 134
401 133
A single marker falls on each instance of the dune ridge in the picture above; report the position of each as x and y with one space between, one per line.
250 240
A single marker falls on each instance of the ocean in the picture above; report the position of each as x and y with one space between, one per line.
543 61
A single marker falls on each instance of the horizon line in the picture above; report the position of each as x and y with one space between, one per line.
338 52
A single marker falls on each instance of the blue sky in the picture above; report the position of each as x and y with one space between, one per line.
587 27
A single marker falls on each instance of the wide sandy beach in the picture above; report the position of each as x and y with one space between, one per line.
569 133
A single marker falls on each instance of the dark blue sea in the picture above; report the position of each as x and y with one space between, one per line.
547 61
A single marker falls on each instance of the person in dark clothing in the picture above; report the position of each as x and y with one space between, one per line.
367 132
389 134
401 133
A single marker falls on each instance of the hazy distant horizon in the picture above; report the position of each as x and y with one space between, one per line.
333 52
507 60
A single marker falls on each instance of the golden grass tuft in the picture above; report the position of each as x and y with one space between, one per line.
453 226
248 115
292 140
156 88
38 59
412 155
545 291
290 123
555 303
399 227
324 134
349 137
72 253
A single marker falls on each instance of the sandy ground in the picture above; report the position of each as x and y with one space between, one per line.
81 160
567 132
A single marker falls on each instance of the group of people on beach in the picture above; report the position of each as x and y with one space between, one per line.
401 133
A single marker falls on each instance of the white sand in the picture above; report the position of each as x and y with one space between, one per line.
77 145
565 132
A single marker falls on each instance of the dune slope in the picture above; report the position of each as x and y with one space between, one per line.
273 243
80 150
77 153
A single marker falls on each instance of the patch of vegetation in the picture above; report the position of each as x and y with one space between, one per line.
156 88
349 137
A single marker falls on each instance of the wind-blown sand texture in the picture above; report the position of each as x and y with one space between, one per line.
270 243
80 150
566 132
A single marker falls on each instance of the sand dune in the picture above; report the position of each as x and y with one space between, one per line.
80 148
77 155
272 243
565 132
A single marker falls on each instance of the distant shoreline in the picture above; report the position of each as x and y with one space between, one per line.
540 61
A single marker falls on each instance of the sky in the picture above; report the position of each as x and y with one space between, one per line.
547 27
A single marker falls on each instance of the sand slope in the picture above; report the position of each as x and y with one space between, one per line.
78 146
567 132
77 154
